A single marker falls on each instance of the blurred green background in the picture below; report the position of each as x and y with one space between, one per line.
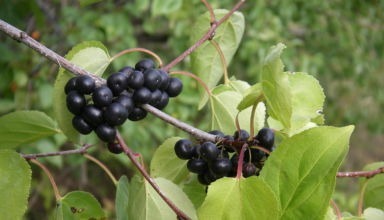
339 42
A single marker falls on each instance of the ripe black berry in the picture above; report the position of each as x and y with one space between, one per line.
249 169
241 135
152 79
117 82
126 101
202 179
221 166
106 133
196 165
114 147
209 151
137 114
127 70
142 95
266 138
145 64
253 155
71 85
75 102
81 125
92 115
184 149
85 84
164 79
136 80
115 114
155 97
102 96
175 87
162 102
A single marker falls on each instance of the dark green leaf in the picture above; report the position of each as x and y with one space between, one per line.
23 127
15 182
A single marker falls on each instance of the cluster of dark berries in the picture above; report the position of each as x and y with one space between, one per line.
101 108
211 161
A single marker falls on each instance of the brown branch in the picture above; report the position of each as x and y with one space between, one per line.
81 150
180 214
208 35
366 174
50 177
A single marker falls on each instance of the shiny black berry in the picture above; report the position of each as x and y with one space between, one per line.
155 97
142 95
152 79
106 132
266 138
114 147
81 125
162 102
221 166
197 165
126 101
127 70
184 149
175 87
209 151
249 169
115 114
253 155
85 84
71 85
102 96
241 135
137 114
92 115
136 80
164 79
145 64
75 102
117 82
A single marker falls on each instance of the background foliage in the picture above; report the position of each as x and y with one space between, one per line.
339 42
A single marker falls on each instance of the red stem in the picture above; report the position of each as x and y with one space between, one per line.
366 174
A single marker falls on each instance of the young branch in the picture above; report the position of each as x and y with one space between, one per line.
366 174
102 166
81 150
50 177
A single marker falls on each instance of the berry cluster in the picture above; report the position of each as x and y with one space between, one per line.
101 108
211 161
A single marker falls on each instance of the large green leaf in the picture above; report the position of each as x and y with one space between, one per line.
205 60
122 196
373 214
195 191
166 164
91 56
245 198
79 205
15 181
252 95
163 7
23 127
145 204
374 191
302 170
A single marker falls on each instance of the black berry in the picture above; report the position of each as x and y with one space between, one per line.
266 138
162 102
114 147
152 79
136 80
155 97
102 96
126 101
137 114
81 125
217 133
241 135
127 70
221 166
164 79
117 82
175 87
196 165
249 169
85 84
184 149
253 155
71 85
75 102
145 64
142 95
92 115
209 151
115 114
106 132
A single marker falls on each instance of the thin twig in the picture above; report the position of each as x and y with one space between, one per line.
102 166
222 59
158 59
50 177
336 210
366 174
180 214
200 81
210 10
208 35
81 150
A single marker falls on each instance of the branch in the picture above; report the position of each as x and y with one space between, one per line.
208 35
81 150
366 174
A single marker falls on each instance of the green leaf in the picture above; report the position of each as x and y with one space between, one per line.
91 56
122 196
373 214
252 95
166 164
245 198
23 127
15 182
275 86
205 60
164 7
195 191
302 170
145 204
374 191
79 205
330 215
88 2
